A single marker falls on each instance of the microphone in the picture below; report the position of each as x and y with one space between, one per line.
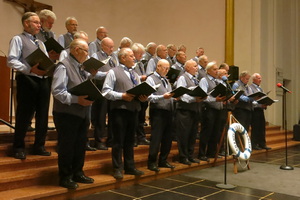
284 88
225 80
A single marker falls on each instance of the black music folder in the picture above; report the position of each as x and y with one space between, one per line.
45 63
257 94
180 91
87 88
266 100
219 90
93 63
238 94
198 92
142 89
52 44
172 75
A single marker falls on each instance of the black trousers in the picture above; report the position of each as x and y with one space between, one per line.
243 116
186 130
99 111
211 131
33 95
72 136
258 127
124 124
161 135
140 132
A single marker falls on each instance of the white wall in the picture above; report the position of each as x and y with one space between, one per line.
266 38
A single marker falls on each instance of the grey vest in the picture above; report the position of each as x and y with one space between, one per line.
212 85
181 105
41 35
27 49
105 68
67 40
242 104
164 104
139 68
74 79
122 84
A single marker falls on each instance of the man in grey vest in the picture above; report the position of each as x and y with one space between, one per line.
138 51
161 114
180 60
124 109
71 26
47 18
95 46
32 87
211 124
243 109
186 116
258 122
100 108
150 52
199 52
71 115
172 50
161 53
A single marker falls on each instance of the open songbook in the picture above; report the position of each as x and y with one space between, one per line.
45 63
266 101
180 91
220 90
172 75
52 44
93 63
87 88
143 89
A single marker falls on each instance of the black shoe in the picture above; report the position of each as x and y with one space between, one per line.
194 160
89 148
68 183
256 147
118 174
135 172
185 162
265 147
143 142
30 128
153 167
166 165
20 154
41 151
145 124
204 158
100 146
83 179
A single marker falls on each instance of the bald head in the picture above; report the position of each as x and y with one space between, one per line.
191 67
161 51
107 45
162 67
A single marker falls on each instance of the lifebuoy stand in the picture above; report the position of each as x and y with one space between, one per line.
230 119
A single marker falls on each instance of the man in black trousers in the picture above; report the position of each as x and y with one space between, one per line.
161 113
71 115
33 90
258 122
124 109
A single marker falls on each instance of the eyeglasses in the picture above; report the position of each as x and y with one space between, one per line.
86 51
36 22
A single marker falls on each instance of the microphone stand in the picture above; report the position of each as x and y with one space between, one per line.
225 185
285 166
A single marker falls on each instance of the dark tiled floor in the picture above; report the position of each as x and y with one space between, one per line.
181 187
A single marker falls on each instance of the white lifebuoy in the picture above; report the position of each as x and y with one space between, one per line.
236 127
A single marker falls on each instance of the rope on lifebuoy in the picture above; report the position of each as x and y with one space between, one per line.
236 127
